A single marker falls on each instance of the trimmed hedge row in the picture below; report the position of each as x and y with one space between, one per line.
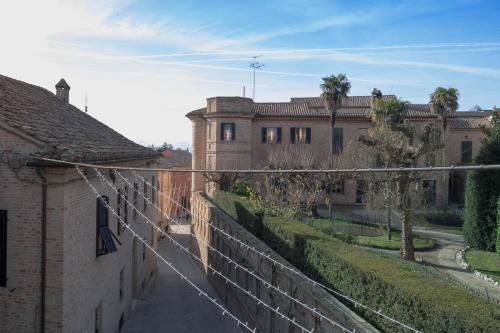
498 226
400 289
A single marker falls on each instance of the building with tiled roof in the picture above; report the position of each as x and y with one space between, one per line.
237 133
66 264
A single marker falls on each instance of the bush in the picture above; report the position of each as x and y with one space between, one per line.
400 289
445 218
498 226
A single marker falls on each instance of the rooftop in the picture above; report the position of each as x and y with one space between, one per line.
65 132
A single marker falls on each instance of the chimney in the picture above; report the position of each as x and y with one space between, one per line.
62 90
376 94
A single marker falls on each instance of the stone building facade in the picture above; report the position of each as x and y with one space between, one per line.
237 133
65 264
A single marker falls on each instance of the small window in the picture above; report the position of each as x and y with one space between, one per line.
3 248
125 205
338 140
119 212
98 318
271 134
145 194
153 191
121 322
136 199
122 283
300 135
143 251
104 240
466 152
228 132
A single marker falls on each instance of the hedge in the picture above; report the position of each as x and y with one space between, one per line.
399 288
498 226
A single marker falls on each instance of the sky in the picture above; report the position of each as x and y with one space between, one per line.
142 65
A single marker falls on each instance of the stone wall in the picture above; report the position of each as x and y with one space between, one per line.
244 306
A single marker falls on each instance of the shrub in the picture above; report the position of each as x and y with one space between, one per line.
445 218
498 226
400 289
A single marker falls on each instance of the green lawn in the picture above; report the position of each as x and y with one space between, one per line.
381 242
485 262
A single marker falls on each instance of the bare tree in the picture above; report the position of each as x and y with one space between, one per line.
399 144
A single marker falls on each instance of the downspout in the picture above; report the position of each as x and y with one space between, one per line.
40 174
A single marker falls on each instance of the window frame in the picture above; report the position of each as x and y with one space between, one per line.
232 131
467 151
338 145
265 134
104 236
294 136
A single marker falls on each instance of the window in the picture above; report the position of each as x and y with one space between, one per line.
153 191
227 132
122 283
337 187
271 134
143 251
338 140
125 205
3 248
466 152
300 135
119 211
121 322
430 192
104 240
98 318
145 195
136 199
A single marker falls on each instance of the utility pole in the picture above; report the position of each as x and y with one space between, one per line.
255 65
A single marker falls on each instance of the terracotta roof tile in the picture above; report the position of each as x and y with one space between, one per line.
470 119
67 132
349 102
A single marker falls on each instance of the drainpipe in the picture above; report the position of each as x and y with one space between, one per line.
40 174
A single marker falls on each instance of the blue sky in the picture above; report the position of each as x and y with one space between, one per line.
143 64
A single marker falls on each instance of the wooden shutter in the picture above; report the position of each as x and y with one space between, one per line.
308 135
292 134
3 248
233 132
102 212
279 135
264 134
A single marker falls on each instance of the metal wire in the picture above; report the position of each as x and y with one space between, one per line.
200 291
266 171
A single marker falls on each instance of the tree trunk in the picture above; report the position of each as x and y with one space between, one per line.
406 250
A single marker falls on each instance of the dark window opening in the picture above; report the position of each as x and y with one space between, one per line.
271 135
125 205
227 131
119 212
338 140
136 199
153 191
466 152
121 322
122 283
300 135
145 190
105 238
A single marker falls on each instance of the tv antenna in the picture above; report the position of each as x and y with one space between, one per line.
255 65
86 108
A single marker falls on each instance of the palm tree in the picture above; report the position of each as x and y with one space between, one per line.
445 102
334 89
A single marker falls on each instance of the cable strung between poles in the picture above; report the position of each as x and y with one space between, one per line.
227 280
283 266
183 277
231 261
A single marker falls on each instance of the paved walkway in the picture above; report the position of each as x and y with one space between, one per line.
171 305
442 258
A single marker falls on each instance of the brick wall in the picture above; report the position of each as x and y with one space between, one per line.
77 281
245 307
